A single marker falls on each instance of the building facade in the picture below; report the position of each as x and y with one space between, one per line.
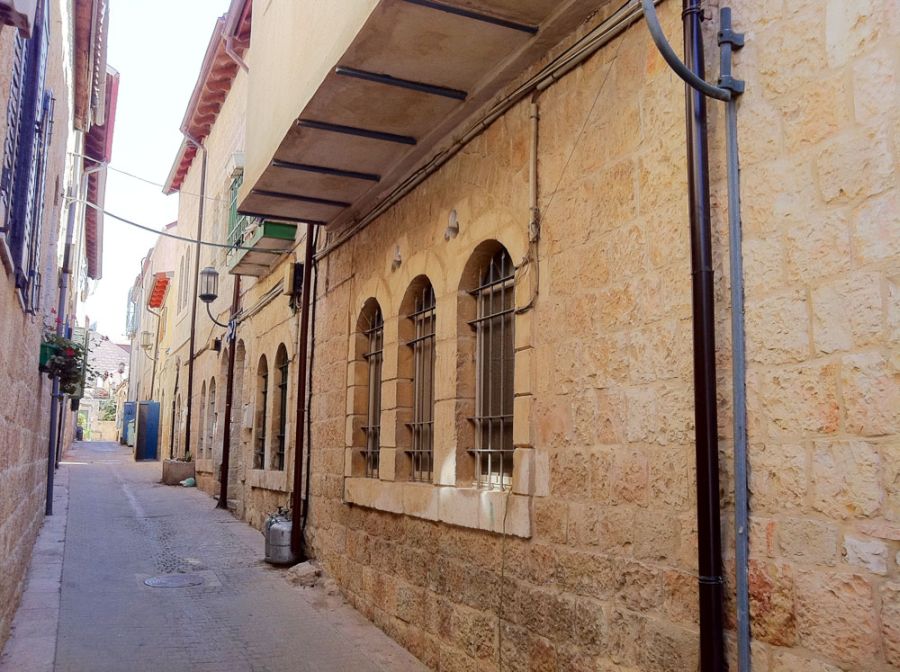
502 411
55 91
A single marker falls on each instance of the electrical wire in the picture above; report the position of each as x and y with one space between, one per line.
581 131
164 234
146 179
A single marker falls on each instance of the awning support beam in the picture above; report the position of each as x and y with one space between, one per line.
389 80
360 132
299 197
324 170
476 16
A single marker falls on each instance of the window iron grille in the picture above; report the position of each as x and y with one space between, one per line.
494 360
259 448
278 458
374 356
422 426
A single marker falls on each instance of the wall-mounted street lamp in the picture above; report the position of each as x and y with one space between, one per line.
209 290
147 340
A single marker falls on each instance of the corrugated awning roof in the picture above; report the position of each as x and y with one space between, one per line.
414 74
158 290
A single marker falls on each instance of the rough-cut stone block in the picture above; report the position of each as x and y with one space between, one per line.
890 622
876 229
873 167
871 394
772 603
802 399
808 540
870 554
836 616
857 300
846 479
778 477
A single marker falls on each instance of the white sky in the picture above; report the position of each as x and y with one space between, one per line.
157 47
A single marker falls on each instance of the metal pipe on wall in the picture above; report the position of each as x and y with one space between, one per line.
302 347
728 90
229 395
709 531
190 380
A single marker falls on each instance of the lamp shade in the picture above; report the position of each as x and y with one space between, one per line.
146 340
209 284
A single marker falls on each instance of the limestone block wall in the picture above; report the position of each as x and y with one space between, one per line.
24 391
605 577
270 323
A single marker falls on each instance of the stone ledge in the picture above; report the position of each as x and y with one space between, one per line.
487 510
269 480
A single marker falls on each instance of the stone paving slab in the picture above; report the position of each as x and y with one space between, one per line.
123 527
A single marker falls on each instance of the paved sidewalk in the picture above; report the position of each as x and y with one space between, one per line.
124 527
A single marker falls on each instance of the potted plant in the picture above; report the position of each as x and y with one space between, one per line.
64 359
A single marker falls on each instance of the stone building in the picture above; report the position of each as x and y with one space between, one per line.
57 97
502 413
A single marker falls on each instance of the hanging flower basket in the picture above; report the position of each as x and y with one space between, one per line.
48 350
64 360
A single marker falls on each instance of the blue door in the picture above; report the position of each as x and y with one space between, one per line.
146 445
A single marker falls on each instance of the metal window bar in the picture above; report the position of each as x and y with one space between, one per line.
422 425
494 351
259 453
278 461
374 356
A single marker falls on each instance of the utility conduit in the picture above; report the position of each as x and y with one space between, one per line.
712 654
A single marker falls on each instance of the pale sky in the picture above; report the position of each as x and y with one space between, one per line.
157 47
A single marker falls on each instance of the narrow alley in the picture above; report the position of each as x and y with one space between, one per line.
121 527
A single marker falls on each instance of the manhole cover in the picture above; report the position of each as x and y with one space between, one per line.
174 581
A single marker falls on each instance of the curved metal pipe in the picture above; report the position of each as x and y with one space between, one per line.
662 44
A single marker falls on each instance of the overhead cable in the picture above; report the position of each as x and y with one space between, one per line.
164 234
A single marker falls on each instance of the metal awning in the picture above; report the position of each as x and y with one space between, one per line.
415 72
158 290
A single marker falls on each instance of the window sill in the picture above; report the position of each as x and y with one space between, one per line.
268 480
465 507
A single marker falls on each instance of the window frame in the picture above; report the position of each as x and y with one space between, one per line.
374 358
262 402
422 321
279 455
494 327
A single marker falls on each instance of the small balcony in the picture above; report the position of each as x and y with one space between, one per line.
258 245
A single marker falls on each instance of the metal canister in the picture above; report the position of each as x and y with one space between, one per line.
278 538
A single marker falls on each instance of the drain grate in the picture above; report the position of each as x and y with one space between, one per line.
174 581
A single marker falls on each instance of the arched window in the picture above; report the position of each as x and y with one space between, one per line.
262 402
279 422
201 423
211 419
494 358
370 349
417 334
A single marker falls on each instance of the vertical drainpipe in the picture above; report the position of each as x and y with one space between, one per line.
190 380
709 547
229 396
302 347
